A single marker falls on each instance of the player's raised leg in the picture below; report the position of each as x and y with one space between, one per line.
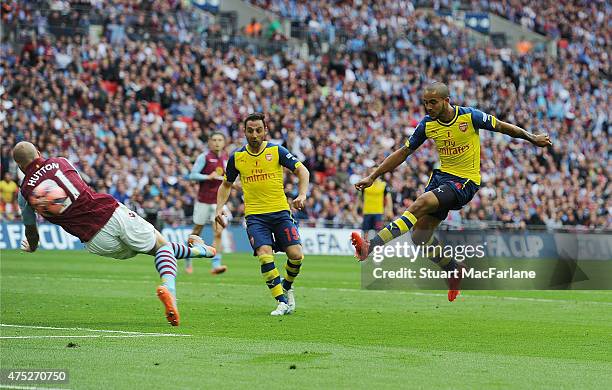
166 254
165 263
138 236
423 205
196 248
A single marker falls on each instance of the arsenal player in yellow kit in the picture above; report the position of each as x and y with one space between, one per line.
270 225
455 130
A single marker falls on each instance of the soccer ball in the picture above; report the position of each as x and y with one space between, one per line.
49 199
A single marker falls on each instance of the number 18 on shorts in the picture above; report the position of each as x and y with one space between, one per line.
279 230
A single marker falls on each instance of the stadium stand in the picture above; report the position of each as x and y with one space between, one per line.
135 107
574 20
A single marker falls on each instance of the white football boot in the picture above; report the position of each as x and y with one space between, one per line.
281 310
209 251
290 298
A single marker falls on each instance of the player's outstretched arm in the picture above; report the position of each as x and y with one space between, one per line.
303 179
30 243
222 196
541 140
389 164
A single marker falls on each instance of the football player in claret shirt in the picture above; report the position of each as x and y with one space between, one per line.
455 131
107 227
270 225
208 170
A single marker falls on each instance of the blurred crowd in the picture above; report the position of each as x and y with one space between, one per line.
581 27
134 113
574 20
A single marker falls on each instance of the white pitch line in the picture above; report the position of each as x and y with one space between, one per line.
31 388
96 330
91 336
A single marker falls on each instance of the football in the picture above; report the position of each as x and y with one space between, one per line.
49 199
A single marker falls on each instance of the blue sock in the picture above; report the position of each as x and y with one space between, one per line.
200 251
170 283
216 261
165 263
182 251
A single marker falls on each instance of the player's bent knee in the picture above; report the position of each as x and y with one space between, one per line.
420 237
424 204
159 242
264 250
424 229
294 252
418 208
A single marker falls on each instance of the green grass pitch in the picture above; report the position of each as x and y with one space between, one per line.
339 337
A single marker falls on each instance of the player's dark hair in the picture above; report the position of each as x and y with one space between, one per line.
256 116
216 133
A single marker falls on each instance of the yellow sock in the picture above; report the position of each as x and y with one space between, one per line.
272 277
292 269
395 229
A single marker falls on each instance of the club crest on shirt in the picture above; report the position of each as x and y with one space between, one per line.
463 126
269 157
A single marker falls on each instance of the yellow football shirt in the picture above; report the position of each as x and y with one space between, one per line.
458 141
262 177
374 198
8 189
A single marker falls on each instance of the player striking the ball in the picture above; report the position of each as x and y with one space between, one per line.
107 227
270 225
455 131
